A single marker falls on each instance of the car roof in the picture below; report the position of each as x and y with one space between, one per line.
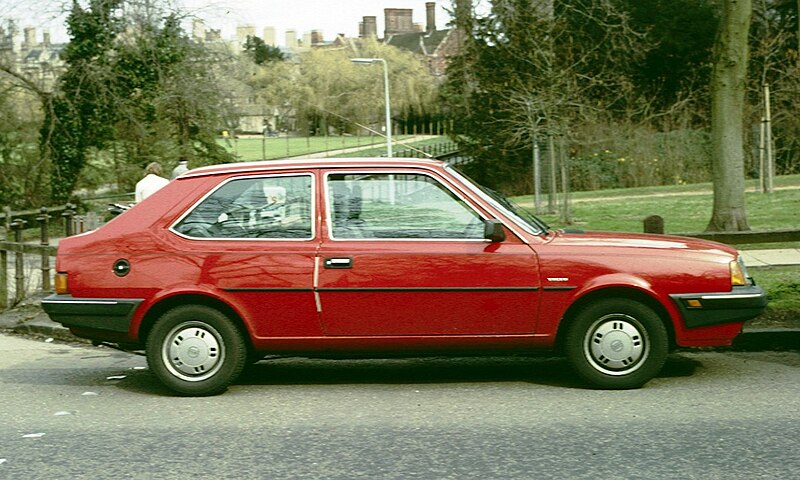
306 163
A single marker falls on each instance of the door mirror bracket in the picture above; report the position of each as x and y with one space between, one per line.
493 231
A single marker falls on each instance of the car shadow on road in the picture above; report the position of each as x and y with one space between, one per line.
546 371
539 370
678 365
291 371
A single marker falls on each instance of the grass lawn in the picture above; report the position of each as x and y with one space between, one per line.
685 208
255 148
380 150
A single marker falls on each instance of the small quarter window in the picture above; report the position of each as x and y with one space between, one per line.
270 207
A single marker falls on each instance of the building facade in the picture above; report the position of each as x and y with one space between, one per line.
38 60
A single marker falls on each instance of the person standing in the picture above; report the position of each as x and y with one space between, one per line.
183 167
151 182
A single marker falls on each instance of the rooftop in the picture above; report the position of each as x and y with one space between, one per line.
311 163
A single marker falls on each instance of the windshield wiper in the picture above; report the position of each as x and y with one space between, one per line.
518 209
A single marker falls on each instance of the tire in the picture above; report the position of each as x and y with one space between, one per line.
196 350
616 343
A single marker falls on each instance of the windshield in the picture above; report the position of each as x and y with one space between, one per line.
521 216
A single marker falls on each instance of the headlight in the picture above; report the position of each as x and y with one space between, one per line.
738 272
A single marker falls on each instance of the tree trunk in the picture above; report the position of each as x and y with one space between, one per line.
727 116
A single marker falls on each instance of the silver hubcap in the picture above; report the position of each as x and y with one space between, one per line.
616 344
193 351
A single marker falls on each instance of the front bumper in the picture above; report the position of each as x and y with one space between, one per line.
704 309
98 314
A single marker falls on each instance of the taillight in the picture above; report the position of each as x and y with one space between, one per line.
61 284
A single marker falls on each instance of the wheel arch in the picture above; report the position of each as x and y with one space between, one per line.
614 292
166 304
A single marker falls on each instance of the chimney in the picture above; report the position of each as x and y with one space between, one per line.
398 20
244 31
316 37
198 30
269 36
30 38
46 38
430 15
370 29
291 39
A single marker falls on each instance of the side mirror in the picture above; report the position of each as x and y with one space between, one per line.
493 231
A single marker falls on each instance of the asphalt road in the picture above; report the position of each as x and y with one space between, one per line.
83 412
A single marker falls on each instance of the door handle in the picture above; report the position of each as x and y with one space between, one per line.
339 262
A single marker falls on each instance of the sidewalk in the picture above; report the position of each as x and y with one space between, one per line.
771 258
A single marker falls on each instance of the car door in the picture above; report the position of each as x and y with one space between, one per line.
405 254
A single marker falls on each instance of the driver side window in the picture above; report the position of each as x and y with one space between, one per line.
398 206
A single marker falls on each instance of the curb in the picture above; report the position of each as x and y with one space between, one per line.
30 319
767 339
46 328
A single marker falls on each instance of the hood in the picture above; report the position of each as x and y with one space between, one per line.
640 241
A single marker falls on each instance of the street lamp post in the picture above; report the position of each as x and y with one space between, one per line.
389 152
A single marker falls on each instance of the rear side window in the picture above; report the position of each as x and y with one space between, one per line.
276 207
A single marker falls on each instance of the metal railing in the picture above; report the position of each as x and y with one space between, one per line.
16 222
436 150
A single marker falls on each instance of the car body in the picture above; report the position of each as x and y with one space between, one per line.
380 257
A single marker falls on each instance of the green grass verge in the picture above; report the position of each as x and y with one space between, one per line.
782 285
252 149
685 208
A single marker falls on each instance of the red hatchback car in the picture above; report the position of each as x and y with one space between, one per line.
383 257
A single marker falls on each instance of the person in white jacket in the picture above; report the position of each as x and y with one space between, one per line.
183 167
151 183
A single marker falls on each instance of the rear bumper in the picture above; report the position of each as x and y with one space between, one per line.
705 309
99 314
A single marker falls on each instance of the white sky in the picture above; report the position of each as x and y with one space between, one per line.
329 16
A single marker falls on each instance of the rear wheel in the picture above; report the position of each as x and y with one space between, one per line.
196 350
617 343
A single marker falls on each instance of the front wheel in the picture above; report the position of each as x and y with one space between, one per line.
196 350
617 343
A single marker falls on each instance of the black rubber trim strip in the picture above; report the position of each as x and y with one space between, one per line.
432 289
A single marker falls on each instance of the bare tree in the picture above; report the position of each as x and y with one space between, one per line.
534 69
572 77
728 87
